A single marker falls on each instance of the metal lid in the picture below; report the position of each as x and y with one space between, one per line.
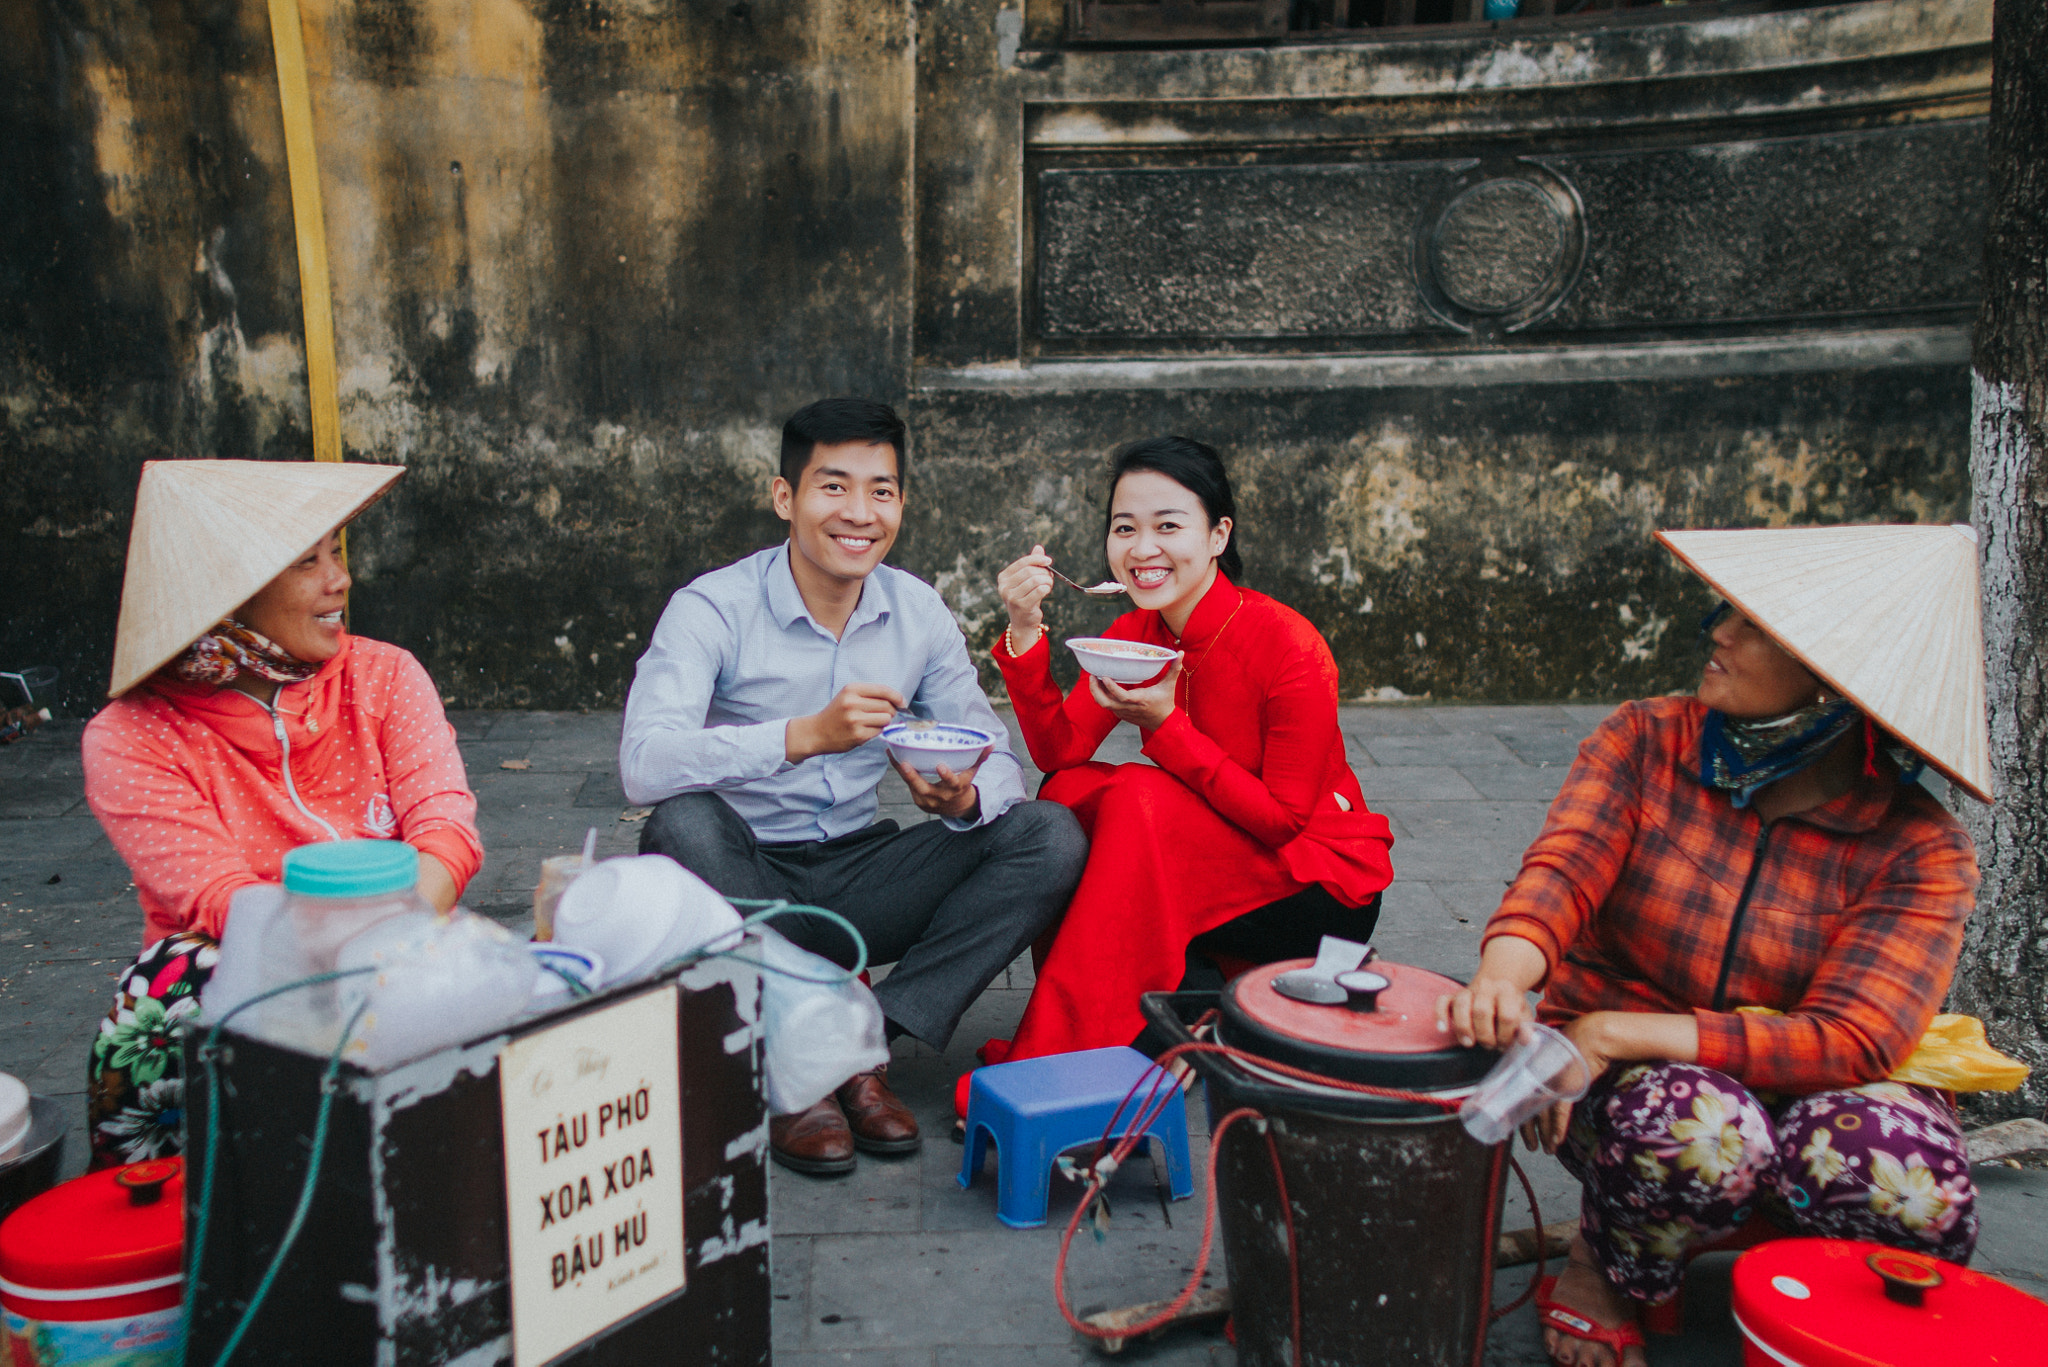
107 1230
1837 1302
1396 1044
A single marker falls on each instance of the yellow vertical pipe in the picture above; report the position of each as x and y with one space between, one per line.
309 225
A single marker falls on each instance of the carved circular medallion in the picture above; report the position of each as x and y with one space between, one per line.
1496 245
1501 247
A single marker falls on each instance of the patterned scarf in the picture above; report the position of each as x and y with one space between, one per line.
1743 756
228 649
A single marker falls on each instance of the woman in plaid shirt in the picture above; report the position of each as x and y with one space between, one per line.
1756 845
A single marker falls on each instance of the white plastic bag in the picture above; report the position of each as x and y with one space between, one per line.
438 980
818 1034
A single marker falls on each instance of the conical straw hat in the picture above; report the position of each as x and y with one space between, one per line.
1888 617
209 533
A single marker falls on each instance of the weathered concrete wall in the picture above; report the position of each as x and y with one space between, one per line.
1463 541
586 256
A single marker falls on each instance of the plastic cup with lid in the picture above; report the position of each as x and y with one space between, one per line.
334 891
1540 1070
557 872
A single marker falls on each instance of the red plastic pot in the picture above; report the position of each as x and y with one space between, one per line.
1848 1303
94 1269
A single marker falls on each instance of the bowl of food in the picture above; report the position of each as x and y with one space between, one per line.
924 746
1124 662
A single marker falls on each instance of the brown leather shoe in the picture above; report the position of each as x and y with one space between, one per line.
815 1141
881 1124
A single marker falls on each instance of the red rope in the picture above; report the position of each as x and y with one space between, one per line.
1535 1219
1180 1302
1293 1255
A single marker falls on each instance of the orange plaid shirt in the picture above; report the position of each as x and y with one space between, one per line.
1648 891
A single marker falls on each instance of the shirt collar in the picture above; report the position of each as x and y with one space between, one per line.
786 602
1210 615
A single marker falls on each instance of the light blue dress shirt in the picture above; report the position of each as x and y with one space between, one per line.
736 656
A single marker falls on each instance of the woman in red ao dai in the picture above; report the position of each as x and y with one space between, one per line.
1247 835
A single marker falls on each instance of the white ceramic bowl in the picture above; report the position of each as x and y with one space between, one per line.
1124 662
550 989
15 1116
925 748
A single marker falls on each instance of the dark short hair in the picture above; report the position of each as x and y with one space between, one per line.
832 421
1194 466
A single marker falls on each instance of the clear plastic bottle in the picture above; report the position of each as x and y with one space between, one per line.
333 892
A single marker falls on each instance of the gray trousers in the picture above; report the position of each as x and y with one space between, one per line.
950 909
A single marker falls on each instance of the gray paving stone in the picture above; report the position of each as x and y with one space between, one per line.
1492 822
34 798
1464 748
881 1195
1456 857
789 1273
976 1288
1414 781
603 791
1559 746
481 758
1458 718
596 727
1473 900
574 752
1589 715
1513 782
2014 1243
1388 719
472 725
875 1357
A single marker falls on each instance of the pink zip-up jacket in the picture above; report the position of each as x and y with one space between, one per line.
203 789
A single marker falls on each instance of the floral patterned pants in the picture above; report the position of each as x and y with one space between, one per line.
1674 1155
135 1084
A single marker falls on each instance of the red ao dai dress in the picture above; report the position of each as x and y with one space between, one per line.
1251 801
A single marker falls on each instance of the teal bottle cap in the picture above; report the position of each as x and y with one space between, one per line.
352 868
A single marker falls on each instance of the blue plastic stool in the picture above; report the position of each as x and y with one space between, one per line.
1037 1108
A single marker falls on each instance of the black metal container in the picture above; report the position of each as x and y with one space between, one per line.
1394 1207
404 1258
33 1171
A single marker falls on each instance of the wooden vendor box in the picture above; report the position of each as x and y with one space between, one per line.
588 1187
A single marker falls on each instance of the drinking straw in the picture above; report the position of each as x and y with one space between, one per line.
589 846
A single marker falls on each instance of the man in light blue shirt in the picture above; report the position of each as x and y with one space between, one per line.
753 724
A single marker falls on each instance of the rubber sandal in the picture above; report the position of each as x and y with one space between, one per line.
1571 1323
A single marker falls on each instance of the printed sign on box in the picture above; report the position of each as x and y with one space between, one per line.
593 1172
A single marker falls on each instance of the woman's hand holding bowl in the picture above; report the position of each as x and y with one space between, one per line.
1023 585
1143 705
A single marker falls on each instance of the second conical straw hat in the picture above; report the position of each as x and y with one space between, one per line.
1889 617
209 533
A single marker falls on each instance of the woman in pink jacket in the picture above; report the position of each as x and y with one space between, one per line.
245 722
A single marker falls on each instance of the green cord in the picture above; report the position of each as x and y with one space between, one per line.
209 1053
778 907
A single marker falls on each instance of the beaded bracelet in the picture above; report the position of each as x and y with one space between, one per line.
1011 642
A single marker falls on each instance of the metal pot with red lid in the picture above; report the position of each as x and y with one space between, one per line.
93 1270
1374 1023
1382 1210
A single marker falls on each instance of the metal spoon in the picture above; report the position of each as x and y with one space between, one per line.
1108 588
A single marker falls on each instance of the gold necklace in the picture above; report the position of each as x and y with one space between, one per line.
1187 671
